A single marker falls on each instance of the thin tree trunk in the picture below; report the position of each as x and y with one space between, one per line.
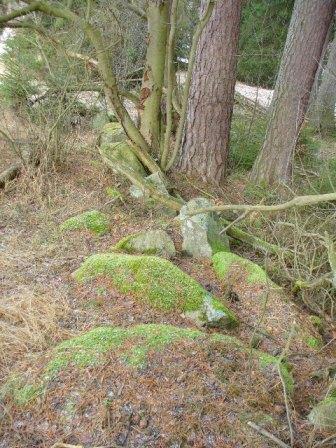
205 147
323 114
153 78
304 46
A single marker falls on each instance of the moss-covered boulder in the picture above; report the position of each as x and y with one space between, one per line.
323 415
93 220
148 380
158 283
228 265
264 306
151 242
201 233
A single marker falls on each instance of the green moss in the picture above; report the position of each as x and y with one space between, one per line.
133 345
223 262
94 221
123 244
317 322
113 193
21 392
153 280
313 342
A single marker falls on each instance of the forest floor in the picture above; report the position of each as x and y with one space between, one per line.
199 395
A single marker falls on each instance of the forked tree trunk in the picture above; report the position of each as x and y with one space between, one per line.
205 147
323 113
304 46
153 78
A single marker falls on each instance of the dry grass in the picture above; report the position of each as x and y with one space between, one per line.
28 322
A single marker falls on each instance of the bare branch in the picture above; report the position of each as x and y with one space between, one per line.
298 201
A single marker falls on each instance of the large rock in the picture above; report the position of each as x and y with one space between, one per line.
201 233
159 284
151 242
323 415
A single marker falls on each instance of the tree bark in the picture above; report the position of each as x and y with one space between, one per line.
153 78
304 46
205 147
323 114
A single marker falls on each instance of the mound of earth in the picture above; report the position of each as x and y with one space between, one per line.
148 386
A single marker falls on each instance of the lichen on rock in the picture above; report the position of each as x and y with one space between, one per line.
156 282
94 221
150 242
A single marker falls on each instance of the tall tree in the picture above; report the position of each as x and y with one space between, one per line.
323 113
153 77
304 45
205 148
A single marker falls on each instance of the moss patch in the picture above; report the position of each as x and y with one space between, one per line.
154 280
133 343
94 221
225 262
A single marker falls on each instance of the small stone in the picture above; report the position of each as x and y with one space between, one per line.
201 233
152 242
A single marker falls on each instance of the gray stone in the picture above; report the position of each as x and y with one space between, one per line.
152 242
100 120
210 316
323 415
154 179
201 233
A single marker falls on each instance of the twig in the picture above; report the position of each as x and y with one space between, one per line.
281 357
324 441
298 201
268 435
240 218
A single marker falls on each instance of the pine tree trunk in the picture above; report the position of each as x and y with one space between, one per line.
205 147
153 78
323 114
304 46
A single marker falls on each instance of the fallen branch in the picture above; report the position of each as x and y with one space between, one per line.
267 434
247 238
298 201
